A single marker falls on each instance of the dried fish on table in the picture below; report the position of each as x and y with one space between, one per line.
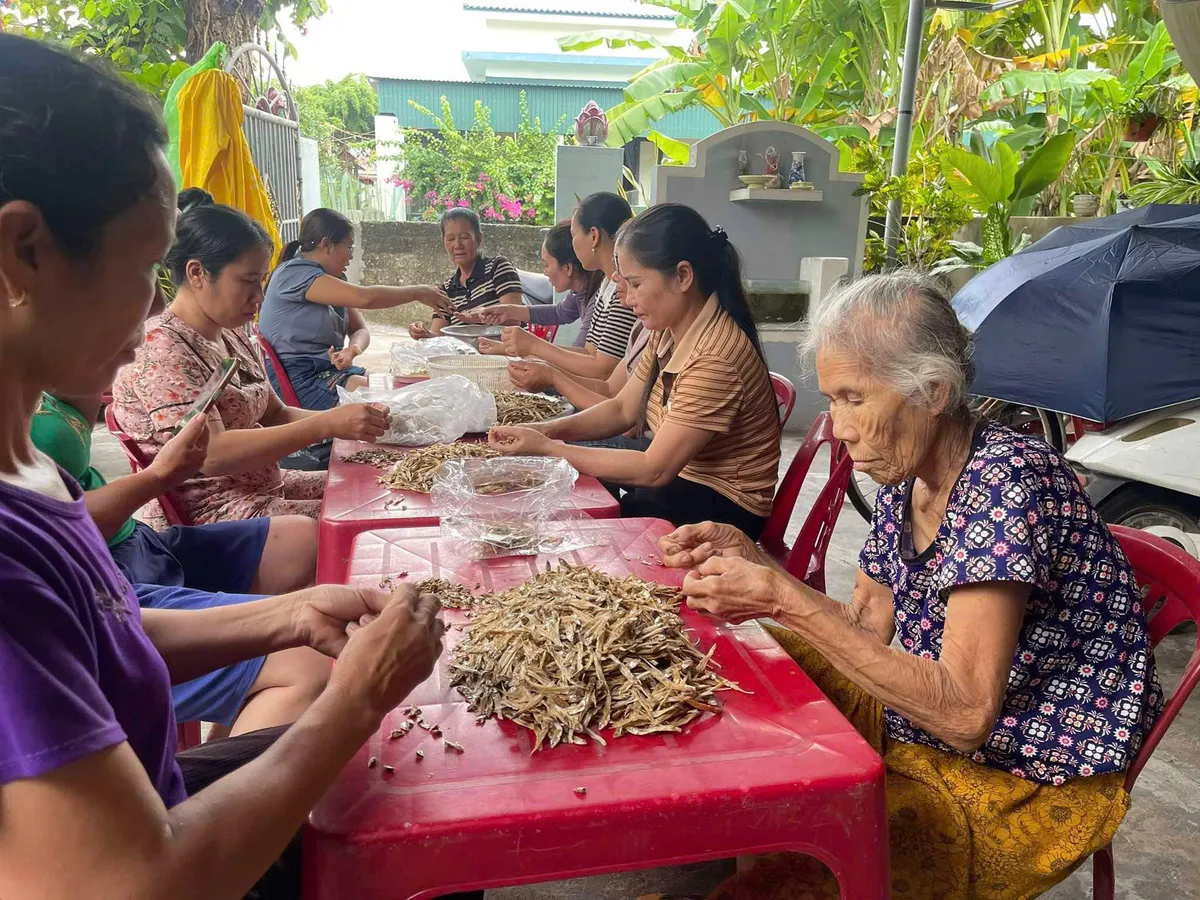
572 651
377 457
415 472
519 408
449 594
490 485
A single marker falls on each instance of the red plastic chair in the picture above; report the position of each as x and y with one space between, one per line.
188 736
286 391
805 560
1172 581
173 510
545 332
785 396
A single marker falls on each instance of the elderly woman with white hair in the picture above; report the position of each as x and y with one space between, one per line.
994 651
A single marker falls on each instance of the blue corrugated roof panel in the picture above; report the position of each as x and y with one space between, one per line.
555 105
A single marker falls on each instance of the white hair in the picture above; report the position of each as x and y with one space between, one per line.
902 329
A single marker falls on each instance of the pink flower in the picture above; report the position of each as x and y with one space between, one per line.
485 178
464 203
430 196
406 184
449 203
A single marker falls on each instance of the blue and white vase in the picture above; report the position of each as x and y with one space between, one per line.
797 174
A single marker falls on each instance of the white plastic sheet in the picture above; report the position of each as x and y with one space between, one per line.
440 410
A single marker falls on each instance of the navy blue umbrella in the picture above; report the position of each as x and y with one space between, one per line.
1099 320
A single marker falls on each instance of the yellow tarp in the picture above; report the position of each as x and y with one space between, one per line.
214 153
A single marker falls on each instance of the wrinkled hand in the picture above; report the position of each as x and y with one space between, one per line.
514 440
183 455
343 359
689 546
504 314
488 347
517 341
321 615
358 421
530 376
435 298
419 331
733 589
389 653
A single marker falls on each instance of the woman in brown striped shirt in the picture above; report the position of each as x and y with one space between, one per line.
702 386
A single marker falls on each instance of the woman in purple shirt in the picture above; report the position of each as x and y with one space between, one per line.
95 802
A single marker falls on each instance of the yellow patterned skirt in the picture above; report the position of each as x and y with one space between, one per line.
958 830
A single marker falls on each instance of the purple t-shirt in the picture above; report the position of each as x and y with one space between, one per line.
77 672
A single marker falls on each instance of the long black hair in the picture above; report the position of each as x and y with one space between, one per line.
215 236
315 227
670 233
558 244
76 140
604 211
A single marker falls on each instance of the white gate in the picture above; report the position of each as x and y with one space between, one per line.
273 131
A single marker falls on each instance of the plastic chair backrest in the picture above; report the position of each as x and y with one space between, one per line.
772 538
806 561
1171 580
286 391
172 509
187 736
546 332
785 396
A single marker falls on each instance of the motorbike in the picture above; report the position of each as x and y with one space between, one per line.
1142 472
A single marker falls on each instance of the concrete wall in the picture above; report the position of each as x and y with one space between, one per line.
774 236
411 252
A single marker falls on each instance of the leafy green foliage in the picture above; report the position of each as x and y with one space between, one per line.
148 40
340 115
932 213
505 178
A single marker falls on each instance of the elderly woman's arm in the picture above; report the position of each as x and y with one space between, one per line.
955 698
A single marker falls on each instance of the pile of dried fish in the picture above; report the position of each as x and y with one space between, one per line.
377 457
490 485
517 408
415 472
449 594
573 651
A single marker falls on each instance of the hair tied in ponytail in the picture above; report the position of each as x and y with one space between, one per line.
720 237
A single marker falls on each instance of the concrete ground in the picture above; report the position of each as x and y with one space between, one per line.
1156 849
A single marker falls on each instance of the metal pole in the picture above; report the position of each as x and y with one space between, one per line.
913 42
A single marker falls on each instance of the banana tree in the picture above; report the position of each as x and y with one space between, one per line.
992 184
750 60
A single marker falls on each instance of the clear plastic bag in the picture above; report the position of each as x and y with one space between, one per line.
506 506
412 357
440 410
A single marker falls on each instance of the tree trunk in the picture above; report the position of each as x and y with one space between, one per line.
231 21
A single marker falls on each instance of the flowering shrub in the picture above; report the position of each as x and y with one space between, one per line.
505 178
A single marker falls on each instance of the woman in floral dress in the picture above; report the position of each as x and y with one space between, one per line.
1023 683
217 264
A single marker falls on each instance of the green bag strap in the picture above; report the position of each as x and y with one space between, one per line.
213 59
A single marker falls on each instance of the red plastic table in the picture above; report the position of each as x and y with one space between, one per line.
355 502
779 769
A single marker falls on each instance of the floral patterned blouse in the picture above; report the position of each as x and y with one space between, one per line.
151 395
1083 688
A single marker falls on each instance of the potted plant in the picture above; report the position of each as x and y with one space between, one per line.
1146 110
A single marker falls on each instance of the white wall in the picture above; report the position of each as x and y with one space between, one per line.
310 175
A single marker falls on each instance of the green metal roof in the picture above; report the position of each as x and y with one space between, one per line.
556 105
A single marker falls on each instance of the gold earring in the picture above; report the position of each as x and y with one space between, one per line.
13 303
